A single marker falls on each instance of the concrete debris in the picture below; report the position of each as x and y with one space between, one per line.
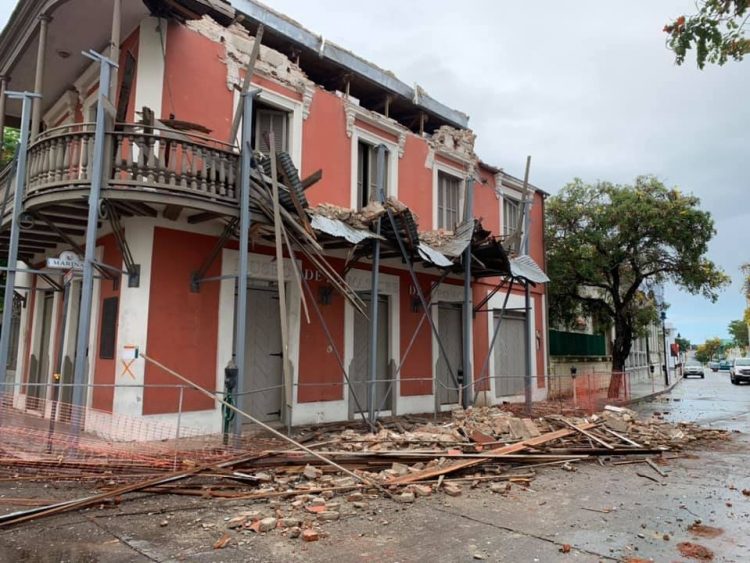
411 458
362 218
310 535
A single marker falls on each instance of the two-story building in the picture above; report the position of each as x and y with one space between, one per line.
170 204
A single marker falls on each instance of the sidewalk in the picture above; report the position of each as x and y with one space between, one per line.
644 390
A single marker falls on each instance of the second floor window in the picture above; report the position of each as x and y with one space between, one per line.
267 120
510 215
449 201
367 162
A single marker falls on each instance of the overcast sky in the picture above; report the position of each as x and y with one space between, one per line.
587 88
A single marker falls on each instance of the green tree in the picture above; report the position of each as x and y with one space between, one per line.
684 343
739 333
10 142
716 32
608 245
708 350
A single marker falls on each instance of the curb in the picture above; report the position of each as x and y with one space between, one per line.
652 395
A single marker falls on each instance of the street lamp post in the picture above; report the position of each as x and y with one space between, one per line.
666 356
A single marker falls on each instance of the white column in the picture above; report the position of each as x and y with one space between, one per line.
133 317
36 108
149 81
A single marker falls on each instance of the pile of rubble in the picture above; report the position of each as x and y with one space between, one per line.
359 218
341 470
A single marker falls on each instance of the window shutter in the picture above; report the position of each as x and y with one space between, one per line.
267 120
373 156
108 329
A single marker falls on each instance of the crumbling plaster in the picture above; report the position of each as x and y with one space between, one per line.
271 64
453 143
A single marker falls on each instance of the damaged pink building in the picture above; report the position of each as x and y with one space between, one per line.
167 249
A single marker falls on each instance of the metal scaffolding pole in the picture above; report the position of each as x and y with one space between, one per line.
373 351
527 388
467 395
240 312
15 227
87 286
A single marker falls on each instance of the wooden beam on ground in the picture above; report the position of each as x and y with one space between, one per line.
495 453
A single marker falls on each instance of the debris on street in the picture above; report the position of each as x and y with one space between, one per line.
408 458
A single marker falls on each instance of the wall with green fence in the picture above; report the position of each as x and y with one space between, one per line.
563 343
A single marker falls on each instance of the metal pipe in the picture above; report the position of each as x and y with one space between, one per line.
666 351
467 395
36 114
3 87
240 312
87 285
374 285
527 295
15 228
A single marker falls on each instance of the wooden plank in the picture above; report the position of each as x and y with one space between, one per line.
494 453
286 361
653 466
312 179
587 434
621 437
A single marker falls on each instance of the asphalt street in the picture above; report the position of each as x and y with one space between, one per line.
596 513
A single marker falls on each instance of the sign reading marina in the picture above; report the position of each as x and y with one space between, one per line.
66 261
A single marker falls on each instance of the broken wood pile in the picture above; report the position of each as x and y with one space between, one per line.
409 457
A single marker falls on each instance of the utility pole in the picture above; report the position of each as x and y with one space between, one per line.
666 352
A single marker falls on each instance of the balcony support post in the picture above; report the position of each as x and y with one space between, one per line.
87 286
36 114
15 229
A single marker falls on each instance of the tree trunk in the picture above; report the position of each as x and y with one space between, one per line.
620 352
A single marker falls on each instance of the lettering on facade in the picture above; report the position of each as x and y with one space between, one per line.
66 261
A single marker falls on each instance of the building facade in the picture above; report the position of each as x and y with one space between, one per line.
166 251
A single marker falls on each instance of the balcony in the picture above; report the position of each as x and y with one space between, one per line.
154 165
146 168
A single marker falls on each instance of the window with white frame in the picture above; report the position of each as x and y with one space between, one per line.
268 119
367 161
511 209
448 201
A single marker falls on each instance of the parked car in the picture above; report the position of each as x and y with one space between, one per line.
740 371
694 368
725 365
713 366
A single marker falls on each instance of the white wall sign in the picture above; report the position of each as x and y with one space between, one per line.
66 261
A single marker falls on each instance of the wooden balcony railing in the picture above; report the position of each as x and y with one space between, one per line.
155 161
